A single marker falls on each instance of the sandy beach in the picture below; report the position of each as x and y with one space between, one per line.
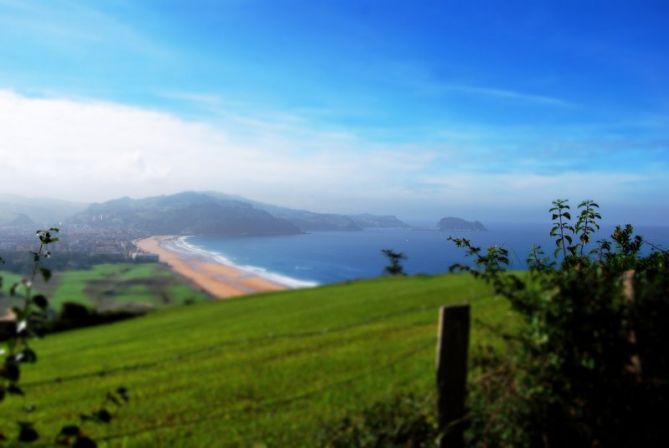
220 280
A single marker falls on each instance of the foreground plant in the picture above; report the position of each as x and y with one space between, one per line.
589 365
30 315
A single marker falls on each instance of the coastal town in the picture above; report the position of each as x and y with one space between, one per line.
77 243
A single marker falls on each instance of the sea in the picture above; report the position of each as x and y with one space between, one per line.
324 257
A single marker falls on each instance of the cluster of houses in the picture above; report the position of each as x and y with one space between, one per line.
107 243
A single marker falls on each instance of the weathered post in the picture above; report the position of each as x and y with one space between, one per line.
452 373
634 366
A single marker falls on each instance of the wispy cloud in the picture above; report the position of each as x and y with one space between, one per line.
420 78
73 27
95 150
208 100
508 95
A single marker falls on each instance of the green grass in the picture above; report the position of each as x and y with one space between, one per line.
113 286
267 369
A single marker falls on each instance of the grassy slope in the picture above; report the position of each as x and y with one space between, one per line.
265 369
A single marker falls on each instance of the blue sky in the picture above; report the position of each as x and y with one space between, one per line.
488 109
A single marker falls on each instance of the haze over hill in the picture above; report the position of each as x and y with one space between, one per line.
20 211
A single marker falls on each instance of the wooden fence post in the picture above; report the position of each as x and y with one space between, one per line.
452 373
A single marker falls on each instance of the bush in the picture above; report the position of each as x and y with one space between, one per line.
589 366
395 259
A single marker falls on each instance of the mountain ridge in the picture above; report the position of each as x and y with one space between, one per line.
213 213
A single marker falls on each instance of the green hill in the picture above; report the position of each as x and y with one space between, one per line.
265 370
187 213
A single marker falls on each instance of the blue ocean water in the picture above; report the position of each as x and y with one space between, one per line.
330 257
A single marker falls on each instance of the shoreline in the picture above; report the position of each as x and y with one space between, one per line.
218 279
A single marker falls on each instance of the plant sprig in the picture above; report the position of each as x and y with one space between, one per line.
30 315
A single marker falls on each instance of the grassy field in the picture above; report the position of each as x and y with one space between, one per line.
119 285
264 370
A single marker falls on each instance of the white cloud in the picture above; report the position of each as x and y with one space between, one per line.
92 151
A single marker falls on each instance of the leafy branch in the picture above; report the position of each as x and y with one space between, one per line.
587 223
30 315
561 227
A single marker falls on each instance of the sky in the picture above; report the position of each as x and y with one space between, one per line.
485 110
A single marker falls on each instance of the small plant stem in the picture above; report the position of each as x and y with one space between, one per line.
564 249
585 227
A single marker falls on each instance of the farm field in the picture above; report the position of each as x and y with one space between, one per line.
264 370
116 285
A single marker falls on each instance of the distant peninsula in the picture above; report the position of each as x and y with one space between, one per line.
451 223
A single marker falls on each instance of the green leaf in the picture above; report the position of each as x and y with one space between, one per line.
27 433
28 355
41 301
11 371
123 392
84 442
46 273
103 416
112 398
15 390
70 431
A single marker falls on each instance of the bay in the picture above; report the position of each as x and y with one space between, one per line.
330 257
